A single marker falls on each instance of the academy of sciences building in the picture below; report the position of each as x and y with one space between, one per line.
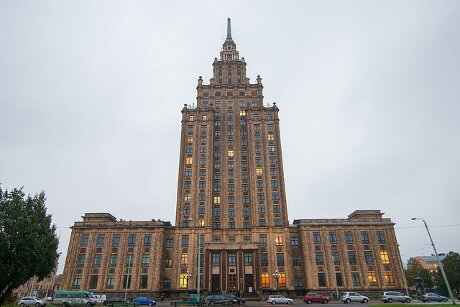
232 232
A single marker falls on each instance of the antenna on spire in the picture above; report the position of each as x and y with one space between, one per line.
229 29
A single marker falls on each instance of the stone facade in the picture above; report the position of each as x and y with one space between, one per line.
231 213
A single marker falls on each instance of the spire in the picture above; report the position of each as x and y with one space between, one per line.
229 29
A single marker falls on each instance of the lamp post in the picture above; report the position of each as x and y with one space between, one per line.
198 280
335 278
127 275
187 275
277 276
439 261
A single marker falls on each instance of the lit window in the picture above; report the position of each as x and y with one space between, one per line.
243 112
265 280
279 239
389 279
271 137
183 281
188 160
204 117
282 280
231 153
190 118
216 199
184 259
189 139
372 278
384 257
201 223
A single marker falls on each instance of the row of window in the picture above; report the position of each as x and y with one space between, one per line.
230 104
129 260
230 132
380 235
352 260
100 240
110 282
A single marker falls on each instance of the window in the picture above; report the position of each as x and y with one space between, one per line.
216 212
332 237
270 127
296 261
189 129
262 222
183 281
216 188
258 160
231 259
203 128
321 279
147 240
282 280
231 239
80 260
280 259
97 261
185 240
184 259
202 160
110 281
246 224
187 185
368 257
215 260
260 196
167 262
93 281
231 225
355 279
271 148
298 282
348 237
276 209
231 153
385 258
166 283
189 150
245 211
188 160
143 282
76 282
113 260
263 239
257 138
295 241
202 172
364 237
189 139
336 257
145 260
203 139
216 225
201 209
231 188
316 238
256 127
245 187
263 259
272 159
274 184
132 239
169 243
272 171
230 132
255 116
271 137
261 208
202 149
231 212
352 258
319 258
381 237
216 200
277 221
339 279
275 196
84 240
231 199
389 278
278 239
201 184
259 171
100 240
265 280
258 148
372 278
187 197
248 259
245 199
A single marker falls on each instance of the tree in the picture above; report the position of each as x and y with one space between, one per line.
28 241
451 266
415 269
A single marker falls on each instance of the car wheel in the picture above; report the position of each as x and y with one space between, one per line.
325 301
390 300
150 304
427 300
212 303
408 300
65 304
289 302
444 299
273 302
347 301
308 301
365 300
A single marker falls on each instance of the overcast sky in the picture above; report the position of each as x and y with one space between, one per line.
368 91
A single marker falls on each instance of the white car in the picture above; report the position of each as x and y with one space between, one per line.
31 301
349 297
279 299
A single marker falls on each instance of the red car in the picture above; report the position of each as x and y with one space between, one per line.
315 297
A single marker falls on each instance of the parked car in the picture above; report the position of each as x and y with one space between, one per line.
279 299
433 297
195 298
142 300
393 296
31 301
315 297
218 299
112 300
235 299
348 297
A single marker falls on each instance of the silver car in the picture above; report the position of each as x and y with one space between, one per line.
31 301
279 299
393 296
348 297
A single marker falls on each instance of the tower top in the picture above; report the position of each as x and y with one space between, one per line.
229 30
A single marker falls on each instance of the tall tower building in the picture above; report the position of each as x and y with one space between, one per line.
231 232
231 183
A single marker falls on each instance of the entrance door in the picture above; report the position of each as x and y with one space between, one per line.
248 283
215 283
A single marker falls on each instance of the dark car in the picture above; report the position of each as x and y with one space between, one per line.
433 297
218 299
113 300
234 299
315 297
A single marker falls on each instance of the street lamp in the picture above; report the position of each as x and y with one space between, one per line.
277 276
437 257
200 224
127 274
187 275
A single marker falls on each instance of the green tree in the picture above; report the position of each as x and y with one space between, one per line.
415 269
451 266
28 241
